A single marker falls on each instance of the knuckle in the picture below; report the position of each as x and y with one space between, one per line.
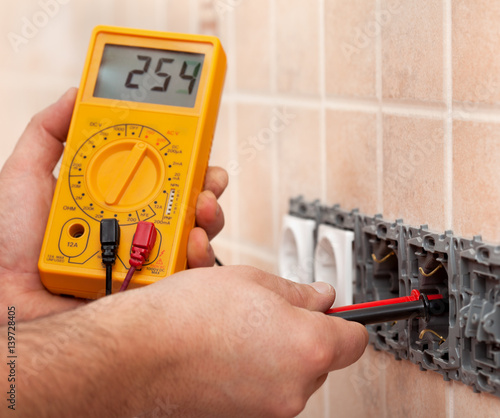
288 406
314 353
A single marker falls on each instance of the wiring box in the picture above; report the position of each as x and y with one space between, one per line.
479 317
432 270
393 258
385 260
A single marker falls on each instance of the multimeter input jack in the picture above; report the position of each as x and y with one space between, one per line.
76 230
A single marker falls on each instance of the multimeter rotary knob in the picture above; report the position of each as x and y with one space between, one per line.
125 175
119 171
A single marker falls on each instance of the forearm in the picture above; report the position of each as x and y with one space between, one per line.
92 361
222 342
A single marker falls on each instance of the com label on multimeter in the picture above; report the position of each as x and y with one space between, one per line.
137 150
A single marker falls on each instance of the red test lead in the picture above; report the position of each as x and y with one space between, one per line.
414 296
142 244
417 305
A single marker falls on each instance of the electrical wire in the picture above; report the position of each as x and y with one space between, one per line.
109 278
127 279
110 239
142 244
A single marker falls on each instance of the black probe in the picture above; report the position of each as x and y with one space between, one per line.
421 308
110 239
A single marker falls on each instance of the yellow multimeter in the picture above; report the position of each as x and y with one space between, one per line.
137 150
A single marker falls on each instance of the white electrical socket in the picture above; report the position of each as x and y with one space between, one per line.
296 257
333 262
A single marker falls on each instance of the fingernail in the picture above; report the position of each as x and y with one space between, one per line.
217 211
323 288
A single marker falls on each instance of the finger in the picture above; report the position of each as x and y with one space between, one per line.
316 297
209 214
216 180
199 250
40 145
343 341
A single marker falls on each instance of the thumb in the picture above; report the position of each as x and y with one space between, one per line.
318 296
40 145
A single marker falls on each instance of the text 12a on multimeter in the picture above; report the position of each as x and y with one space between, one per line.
137 150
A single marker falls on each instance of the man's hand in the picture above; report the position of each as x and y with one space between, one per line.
220 341
26 189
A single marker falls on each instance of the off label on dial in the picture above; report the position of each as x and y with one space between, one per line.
119 171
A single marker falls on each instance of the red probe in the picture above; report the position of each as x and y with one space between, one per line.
142 244
417 305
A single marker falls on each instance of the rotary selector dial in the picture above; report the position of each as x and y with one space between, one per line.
119 171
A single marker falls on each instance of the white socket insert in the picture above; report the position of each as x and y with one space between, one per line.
296 256
333 262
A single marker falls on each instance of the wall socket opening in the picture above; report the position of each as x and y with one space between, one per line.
333 261
383 256
480 314
434 344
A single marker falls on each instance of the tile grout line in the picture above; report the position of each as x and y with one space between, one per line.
448 123
451 400
272 48
380 148
276 222
361 105
165 14
233 133
448 141
380 110
194 16
322 92
323 145
248 249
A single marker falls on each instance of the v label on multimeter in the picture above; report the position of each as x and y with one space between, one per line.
137 150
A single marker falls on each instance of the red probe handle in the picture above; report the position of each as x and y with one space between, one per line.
414 296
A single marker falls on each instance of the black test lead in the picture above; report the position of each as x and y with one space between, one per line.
417 305
110 239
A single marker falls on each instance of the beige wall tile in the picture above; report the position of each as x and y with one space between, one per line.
221 146
223 252
476 191
351 167
414 171
297 131
179 16
466 403
221 156
250 259
254 174
358 390
411 392
253 54
475 40
351 29
412 51
297 46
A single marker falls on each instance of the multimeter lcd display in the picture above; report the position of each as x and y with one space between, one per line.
149 75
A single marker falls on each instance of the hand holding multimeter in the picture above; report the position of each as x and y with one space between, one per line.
26 185
137 150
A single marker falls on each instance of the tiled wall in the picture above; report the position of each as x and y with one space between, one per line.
389 106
